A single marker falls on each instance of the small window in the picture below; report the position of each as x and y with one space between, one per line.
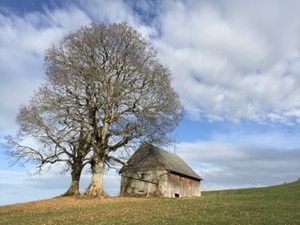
177 195
142 176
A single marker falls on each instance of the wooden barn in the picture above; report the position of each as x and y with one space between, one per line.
151 171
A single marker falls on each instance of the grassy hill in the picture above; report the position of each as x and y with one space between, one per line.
271 205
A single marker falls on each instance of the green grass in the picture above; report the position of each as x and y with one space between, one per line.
271 205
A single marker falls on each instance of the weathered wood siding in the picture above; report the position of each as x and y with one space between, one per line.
159 183
180 186
145 183
147 175
142 178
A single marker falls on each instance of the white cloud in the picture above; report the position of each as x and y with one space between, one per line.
22 50
115 12
229 61
244 161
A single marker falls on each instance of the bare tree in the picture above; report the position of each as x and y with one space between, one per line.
110 90
126 92
49 135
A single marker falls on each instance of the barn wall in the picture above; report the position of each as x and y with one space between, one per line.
158 183
179 186
142 183
141 176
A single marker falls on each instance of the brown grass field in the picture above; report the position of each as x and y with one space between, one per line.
272 205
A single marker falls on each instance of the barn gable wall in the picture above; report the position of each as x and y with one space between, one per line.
142 183
141 176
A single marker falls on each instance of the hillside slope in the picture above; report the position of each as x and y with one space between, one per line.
271 205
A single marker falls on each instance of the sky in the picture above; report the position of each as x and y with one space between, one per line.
235 65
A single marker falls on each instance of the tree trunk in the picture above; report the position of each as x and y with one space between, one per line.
75 180
95 187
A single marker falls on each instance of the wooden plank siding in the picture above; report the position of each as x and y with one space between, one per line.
154 172
180 186
144 183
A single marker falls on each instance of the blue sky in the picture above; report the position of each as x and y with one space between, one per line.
235 65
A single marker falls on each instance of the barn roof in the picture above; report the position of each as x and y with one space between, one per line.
173 162
170 161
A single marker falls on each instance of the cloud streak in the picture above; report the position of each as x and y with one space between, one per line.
229 62
22 50
224 164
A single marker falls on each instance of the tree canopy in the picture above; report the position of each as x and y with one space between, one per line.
105 90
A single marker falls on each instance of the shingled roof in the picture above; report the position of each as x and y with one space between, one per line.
171 162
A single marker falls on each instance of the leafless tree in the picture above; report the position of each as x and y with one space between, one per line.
109 84
48 134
